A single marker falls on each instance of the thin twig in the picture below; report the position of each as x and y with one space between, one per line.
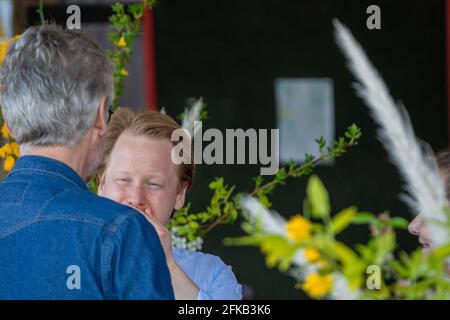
291 173
41 11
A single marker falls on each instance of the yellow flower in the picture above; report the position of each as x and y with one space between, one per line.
15 149
6 150
5 132
124 73
298 228
9 163
317 286
4 47
121 42
312 255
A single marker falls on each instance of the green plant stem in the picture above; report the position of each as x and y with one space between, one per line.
41 11
291 173
217 222
294 172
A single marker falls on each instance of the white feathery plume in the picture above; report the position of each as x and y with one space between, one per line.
301 261
341 289
272 222
191 115
425 191
163 110
299 258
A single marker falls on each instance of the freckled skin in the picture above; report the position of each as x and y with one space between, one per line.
141 174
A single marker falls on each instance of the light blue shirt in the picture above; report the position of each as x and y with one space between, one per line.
214 278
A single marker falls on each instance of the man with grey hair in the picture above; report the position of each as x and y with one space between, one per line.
57 239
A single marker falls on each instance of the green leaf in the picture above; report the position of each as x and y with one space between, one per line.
309 158
281 174
352 266
243 241
279 251
353 132
117 7
93 186
364 218
264 200
193 224
321 142
216 184
318 197
365 252
398 223
258 180
342 219
248 227
438 257
385 245
233 216
181 220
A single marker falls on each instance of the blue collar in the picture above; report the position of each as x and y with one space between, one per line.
49 165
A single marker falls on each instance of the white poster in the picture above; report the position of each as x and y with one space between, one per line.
6 19
305 112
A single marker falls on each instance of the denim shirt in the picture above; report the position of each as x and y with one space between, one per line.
210 274
60 241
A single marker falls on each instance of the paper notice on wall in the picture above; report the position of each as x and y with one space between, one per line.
6 19
305 112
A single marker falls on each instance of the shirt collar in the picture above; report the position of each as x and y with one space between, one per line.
45 164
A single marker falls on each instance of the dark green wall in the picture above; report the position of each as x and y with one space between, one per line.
231 51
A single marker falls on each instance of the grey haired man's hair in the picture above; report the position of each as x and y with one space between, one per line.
51 82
